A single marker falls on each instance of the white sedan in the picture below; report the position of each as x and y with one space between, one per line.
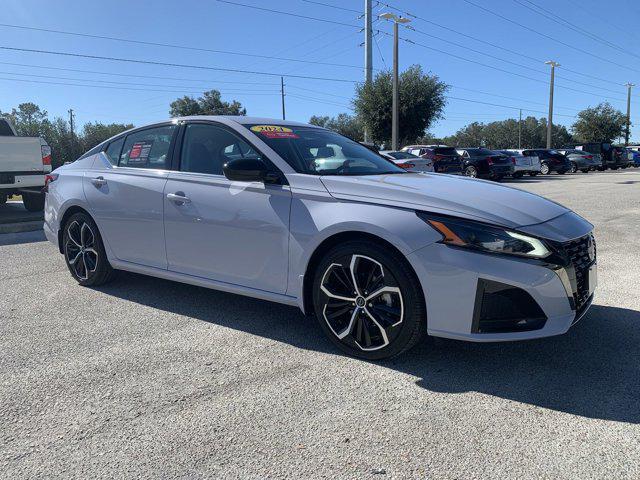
409 161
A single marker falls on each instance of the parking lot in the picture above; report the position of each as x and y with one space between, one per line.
147 378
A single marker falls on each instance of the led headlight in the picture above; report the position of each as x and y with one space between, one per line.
463 233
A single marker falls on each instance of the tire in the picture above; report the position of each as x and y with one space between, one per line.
574 167
544 169
33 202
84 251
471 171
346 316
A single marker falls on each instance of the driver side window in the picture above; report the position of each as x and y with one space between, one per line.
206 148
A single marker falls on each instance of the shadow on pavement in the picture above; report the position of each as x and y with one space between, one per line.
592 371
23 237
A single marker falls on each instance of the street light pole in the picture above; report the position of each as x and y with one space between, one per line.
395 116
626 133
520 130
550 119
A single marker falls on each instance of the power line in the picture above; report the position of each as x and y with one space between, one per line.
270 10
169 64
503 106
494 45
537 32
534 7
319 100
170 45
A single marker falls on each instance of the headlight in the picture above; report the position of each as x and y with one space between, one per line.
477 236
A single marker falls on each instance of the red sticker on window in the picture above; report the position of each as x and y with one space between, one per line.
280 135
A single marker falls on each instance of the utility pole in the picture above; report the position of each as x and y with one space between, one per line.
282 95
395 102
550 119
71 122
520 130
368 49
626 133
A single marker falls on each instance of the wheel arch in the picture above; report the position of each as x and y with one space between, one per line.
73 209
330 242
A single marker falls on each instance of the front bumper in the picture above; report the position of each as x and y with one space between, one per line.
454 280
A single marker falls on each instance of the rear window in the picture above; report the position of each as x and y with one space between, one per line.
445 151
401 155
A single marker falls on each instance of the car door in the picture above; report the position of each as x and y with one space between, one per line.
126 194
227 231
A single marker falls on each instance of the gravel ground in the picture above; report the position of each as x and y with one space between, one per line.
146 378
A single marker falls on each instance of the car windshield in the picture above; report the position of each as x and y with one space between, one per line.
316 151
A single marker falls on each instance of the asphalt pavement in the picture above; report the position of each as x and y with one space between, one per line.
146 378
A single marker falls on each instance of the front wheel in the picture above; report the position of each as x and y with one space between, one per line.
84 251
544 169
368 301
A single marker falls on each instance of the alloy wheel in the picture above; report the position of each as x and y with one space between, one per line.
471 171
544 169
80 249
361 303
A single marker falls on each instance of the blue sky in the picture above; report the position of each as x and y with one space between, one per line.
595 64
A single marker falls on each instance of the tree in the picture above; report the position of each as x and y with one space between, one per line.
96 133
345 124
27 119
421 103
602 123
210 103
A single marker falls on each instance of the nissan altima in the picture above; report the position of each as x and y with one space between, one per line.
297 214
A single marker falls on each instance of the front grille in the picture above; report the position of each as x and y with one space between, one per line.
578 252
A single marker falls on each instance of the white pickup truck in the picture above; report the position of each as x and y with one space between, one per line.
24 163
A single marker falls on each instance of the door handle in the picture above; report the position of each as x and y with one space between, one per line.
99 181
179 198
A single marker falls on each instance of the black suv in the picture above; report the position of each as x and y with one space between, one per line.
484 163
550 160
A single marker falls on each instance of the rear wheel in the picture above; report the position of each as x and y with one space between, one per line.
33 202
368 301
574 167
544 169
84 251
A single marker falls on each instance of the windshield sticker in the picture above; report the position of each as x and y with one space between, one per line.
139 154
274 131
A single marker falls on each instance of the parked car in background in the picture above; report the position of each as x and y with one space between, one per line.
629 154
606 152
484 163
635 152
522 164
445 159
620 158
24 164
369 249
581 160
409 161
550 160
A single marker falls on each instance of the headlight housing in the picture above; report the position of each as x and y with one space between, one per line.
486 238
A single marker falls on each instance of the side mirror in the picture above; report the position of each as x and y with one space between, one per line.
245 170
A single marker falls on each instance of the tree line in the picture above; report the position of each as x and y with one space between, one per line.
422 103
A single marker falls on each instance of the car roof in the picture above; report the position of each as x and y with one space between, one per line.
244 120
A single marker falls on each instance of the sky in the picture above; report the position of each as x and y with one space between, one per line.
488 51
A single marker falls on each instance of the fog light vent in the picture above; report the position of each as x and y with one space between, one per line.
502 308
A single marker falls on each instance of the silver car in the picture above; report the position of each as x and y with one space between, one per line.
522 164
581 160
300 215
409 161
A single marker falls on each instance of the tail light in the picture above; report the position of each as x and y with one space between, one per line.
589 157
405 165
48 178
46 154
490 160
513 160
437 156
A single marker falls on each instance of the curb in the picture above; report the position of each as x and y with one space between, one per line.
21 227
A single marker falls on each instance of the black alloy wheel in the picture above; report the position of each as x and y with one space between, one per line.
471 171
84 251
368 301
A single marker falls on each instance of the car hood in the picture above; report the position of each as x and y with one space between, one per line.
449 195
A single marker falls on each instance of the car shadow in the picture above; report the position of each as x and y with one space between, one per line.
22 237
592 371
536 179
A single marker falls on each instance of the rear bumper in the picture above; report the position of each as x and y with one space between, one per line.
15 181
